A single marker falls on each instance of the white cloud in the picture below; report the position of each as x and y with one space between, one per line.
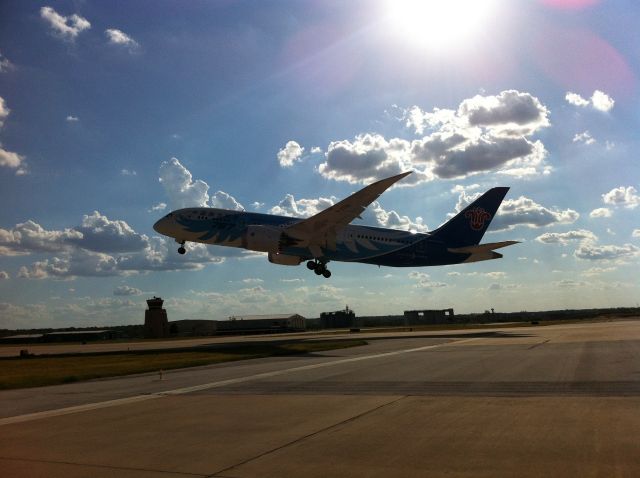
622 196
584 137
72 119
158 207
67 28
568 284
522 211
125 290
593 271
252 280
375 214
100 234
12 160
223 200
635 233
183 191
256 205
4 111
576 99
589 251
4 275
316 150
599 100
179 185
302 207
128 172
565 237
9 159
291 153
118 37
600 212
30 237
485 133
423 281
5 64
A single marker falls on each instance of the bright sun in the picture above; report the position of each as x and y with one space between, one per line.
439 24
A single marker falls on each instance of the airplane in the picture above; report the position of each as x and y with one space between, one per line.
330 236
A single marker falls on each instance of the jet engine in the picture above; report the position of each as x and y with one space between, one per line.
284 259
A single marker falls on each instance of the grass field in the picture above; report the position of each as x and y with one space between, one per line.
56 369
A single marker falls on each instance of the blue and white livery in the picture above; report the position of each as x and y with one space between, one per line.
329 236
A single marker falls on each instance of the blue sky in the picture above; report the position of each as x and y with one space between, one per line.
113 113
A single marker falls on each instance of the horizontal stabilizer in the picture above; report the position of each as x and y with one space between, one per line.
489 246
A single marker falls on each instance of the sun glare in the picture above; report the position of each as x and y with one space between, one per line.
439 24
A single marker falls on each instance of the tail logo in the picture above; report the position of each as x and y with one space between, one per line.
477 218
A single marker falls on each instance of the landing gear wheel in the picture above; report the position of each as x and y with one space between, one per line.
326 273
181 250
311 265
318 271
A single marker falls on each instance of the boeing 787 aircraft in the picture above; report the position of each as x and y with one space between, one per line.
329 236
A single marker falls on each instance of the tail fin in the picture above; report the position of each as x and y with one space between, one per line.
469 225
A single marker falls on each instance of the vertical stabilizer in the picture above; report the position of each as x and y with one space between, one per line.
469 225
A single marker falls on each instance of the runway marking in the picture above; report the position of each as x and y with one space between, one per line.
210 385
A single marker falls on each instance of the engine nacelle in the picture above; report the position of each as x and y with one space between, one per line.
263 238
284 260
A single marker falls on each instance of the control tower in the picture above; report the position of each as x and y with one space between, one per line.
156 324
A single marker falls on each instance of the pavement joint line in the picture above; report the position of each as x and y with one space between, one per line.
208 386
217 474
109 467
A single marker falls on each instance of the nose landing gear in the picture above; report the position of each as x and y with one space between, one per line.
320 268
181 249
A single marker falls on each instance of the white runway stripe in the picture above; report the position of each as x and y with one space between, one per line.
207 386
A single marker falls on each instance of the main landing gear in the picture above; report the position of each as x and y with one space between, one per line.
181 249
320 268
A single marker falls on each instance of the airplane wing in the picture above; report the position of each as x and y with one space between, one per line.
321 229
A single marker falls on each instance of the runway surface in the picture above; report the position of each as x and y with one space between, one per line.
538 401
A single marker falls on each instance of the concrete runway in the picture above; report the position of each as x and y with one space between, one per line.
540 401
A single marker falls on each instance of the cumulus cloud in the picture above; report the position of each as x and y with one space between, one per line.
118 37
128 172
485 133
100 234
575 99
4 275
522 211
223 200
4 111
9 159
584 137
5 64
302 207
72 119
375 214
76 263
423 281
635 233
291 153
125 290
622 196
599 100
29 237
594 252
67 28
565 237
600 212
179 185
183 191
161 206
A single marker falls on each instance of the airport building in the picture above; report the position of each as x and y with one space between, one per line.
255 324
428 317
156 324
